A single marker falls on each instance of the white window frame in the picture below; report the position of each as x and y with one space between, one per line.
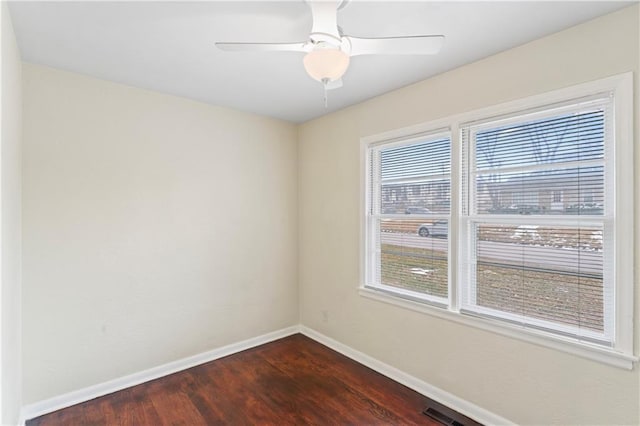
621 354
372 217
470 219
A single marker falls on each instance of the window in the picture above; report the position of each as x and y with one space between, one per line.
528 263
408 235
514 218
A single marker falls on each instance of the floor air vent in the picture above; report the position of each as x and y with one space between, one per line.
447 416
442 418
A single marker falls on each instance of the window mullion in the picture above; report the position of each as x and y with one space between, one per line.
454 218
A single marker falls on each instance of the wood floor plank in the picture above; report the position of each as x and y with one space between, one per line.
292 381
143 410
350 386
272 387
238 399
335 395
393 395
208 399
92 414
170 398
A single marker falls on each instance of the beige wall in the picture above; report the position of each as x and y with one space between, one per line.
155 228
10 173
522 382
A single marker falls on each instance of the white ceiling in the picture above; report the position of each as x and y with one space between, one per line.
168 46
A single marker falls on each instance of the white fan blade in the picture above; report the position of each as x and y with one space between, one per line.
335 84
325 17
263 47
412 45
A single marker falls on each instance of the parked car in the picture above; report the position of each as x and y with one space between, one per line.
438 228
417 210
585 208
517 209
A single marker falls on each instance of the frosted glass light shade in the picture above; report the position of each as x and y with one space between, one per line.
328 64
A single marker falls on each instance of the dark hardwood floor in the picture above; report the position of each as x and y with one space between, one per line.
294 380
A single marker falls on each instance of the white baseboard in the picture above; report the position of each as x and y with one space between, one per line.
81 395
86 394
455 403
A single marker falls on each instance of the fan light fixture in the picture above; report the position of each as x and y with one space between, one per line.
326 65
327 50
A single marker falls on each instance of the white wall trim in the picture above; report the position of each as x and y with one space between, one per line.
82 395
454 402
86 394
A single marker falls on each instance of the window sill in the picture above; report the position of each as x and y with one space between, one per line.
584 350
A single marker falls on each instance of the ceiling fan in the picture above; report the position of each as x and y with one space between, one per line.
328 50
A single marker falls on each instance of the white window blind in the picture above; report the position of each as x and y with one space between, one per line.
533 257
408 217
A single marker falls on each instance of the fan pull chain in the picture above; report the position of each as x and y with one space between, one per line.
325 83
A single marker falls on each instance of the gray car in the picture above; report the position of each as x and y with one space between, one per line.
438 228
417 210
